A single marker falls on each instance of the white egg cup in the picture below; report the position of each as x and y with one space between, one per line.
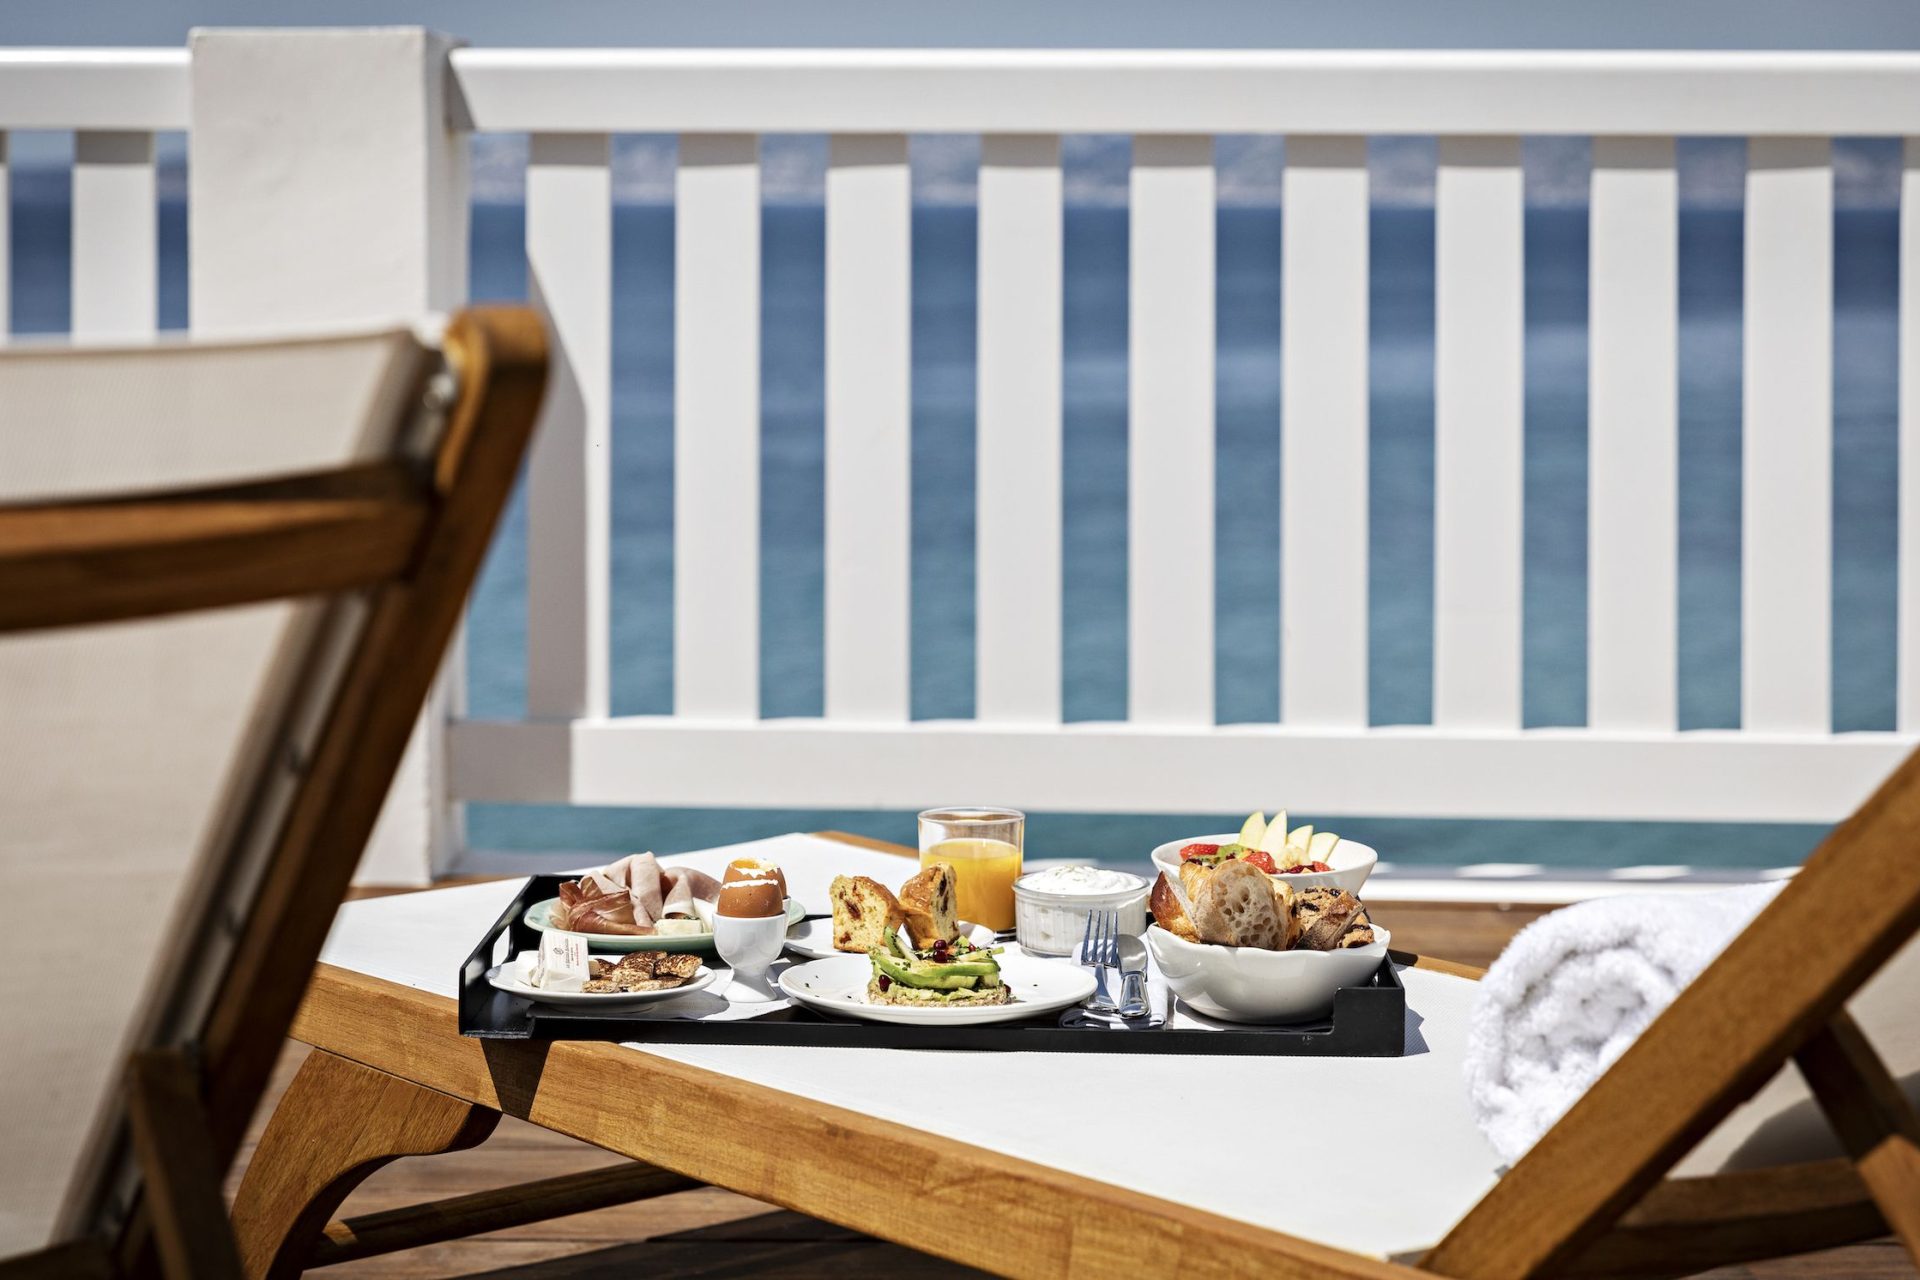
750 945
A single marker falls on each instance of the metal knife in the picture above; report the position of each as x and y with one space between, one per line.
1133 978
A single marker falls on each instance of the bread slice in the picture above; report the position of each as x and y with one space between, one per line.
1168 912
928 902
1236 907
1192 876
1283 899
862 910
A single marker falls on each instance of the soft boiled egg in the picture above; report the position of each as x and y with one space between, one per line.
751 899
755 869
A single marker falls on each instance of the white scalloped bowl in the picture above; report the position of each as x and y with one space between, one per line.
1246 984
1352 863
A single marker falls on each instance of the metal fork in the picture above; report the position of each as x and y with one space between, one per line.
1100 949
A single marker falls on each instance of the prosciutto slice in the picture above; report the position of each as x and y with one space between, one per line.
631 896
684 885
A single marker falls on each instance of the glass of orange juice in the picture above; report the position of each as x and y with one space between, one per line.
983 848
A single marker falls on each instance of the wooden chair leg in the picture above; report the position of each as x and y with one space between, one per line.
173 1141
1873 1120
338 1122
373 1234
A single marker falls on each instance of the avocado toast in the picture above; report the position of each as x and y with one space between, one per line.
944 975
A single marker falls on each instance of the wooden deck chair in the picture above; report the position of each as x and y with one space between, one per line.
1590 1197
228 572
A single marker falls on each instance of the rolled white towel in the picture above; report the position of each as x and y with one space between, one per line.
1574 989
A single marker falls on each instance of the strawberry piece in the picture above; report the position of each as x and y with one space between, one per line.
1189 852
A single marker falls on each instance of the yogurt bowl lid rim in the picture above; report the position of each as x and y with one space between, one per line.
1141 883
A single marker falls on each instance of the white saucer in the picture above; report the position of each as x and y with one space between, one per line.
702 978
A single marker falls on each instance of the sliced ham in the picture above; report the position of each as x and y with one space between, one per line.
684 887
631 896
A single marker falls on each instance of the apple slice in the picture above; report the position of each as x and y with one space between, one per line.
1254 830
1320 848
1298 838
1276 838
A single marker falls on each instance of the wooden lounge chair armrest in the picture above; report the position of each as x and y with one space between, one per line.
1431 964
72 563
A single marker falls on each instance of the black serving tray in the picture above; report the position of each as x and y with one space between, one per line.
1368 1021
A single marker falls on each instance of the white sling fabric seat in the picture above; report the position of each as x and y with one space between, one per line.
121 746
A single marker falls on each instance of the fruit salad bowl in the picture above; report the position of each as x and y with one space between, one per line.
1352 863
1246 984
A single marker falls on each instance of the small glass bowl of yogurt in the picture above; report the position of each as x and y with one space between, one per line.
1050 907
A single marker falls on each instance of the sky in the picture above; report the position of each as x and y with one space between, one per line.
1866 173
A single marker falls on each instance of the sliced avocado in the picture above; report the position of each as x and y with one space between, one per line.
933 977
898 944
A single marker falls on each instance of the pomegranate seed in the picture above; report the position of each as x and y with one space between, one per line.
885 982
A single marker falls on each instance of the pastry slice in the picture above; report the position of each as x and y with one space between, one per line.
1324 916
928 903
862 910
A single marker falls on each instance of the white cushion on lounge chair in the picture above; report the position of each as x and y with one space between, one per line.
1402 1159
118 743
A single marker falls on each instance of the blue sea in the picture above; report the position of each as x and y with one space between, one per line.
1248 438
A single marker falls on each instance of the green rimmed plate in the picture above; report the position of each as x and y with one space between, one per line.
702 942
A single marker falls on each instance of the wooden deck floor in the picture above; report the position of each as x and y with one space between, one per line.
714 1233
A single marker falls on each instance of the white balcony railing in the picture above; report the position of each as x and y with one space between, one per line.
1784 764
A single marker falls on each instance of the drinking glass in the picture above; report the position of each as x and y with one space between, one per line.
983 846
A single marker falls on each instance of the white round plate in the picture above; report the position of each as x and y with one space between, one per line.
702 978
814 938
536 918
838 986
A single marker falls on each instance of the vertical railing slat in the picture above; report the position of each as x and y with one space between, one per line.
1633 436
869 311
1787 488
716 401
1018 484
115 236
1908 718
1323 432
6 244
569 277
1170 444
1479 445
